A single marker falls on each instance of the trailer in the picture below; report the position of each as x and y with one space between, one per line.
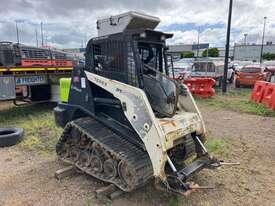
31 84
32 74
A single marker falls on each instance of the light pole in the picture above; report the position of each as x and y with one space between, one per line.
224 85
36 37
262 47
198 43
245 36
17 32
42 35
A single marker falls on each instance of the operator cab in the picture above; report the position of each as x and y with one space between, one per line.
138 58
129 50
161 91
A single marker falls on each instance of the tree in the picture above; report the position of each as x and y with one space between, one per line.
212 52
187 54
269 56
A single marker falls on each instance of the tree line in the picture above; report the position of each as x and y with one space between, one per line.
214 52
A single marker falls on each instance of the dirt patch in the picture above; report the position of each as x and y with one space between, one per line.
6 105
26 178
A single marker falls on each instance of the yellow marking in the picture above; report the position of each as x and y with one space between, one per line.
65 68
34 69
26 69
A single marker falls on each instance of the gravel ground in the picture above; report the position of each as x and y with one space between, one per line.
27 178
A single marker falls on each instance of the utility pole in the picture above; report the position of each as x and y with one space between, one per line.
198 43
245 36
46 39
262 46
224 85
17 32
42 37
36 37
85 41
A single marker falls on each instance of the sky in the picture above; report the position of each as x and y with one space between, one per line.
69 23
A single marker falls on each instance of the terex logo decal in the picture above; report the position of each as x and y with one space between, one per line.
118 90
99 81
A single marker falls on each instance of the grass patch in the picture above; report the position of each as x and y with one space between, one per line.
175 201
88 201
238 101
40 131
216 146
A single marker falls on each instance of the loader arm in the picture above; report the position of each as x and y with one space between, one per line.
139 113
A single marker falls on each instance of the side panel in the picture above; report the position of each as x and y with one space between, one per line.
187 103
7 88
80 90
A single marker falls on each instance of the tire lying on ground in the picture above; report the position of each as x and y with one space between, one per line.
10 136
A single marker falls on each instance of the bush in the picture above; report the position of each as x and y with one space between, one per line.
187 54
212 52
269 56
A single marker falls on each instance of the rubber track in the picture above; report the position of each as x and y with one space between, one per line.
116 146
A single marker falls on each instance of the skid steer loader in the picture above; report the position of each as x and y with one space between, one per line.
126 120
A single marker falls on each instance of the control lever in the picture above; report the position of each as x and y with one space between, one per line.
218 163
215 162
191 187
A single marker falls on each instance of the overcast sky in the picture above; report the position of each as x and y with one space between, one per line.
68 23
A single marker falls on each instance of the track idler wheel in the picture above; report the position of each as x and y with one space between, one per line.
74 154
84 159
96 164
84 141
110 168
97 150
96 159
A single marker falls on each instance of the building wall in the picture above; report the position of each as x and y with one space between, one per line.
79 52
239 52
222 51
177 49
251 52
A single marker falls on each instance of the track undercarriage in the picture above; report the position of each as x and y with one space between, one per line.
101 153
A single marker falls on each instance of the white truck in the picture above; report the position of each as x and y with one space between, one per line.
211 68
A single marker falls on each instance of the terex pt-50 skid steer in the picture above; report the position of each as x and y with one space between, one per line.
125 121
